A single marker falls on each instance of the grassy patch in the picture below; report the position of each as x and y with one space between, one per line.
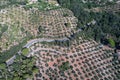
25 51
111 42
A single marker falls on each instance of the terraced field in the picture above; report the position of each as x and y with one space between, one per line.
76 58
21 23
56 24
86 60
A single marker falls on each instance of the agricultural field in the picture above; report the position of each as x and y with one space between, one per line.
55 24
83 59
44 40
35 23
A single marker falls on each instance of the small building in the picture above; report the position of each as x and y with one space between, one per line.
3 11
11 60
52 2
118 53
32 1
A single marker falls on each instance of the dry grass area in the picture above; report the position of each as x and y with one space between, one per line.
13 19
17 20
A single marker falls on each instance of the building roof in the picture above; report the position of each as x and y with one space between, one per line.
11 60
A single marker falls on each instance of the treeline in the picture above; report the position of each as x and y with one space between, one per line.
22 2
22 68
4 56
8 3
86 3
106 26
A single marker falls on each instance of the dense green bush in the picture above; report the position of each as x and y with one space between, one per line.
21 69
111 42
64 66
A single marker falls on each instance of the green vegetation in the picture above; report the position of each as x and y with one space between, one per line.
86 4
2 66
3 28
22 2
12 51
107 23
41 29
35 18
8 3
65 66
65 15
67 24
22 68
25 51
111 42
41 5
